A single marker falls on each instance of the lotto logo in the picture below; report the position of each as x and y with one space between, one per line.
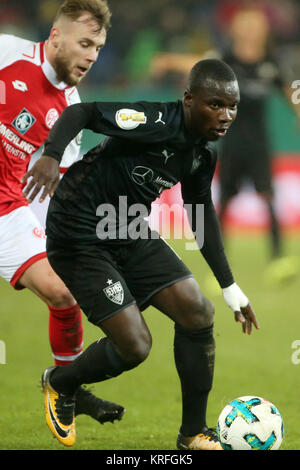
18 85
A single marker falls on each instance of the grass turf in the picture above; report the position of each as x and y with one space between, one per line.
260 364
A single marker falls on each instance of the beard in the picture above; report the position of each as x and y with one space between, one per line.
62 68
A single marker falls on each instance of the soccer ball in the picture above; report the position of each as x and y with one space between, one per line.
250 423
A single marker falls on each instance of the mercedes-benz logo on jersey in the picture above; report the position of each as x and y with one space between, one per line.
24 121
142 175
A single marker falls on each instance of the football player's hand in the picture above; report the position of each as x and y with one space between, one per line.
45 174
239 303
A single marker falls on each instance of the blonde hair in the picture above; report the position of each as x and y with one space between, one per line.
73 9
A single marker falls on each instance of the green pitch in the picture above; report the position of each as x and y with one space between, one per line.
264 364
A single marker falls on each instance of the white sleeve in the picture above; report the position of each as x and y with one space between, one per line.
13 48
72 151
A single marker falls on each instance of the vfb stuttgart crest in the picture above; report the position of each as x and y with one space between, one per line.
114 292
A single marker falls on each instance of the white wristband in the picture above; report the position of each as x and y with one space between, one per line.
234 297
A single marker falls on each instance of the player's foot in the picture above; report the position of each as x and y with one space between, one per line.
59 409
101 410
206 440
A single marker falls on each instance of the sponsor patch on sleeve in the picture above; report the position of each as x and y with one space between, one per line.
129 119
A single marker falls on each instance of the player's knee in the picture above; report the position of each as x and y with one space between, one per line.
57 295
200 314
139 350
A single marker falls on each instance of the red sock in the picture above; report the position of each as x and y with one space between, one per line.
65 334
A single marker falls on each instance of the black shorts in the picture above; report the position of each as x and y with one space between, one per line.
105 278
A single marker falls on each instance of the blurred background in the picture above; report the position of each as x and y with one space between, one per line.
149 50
141 30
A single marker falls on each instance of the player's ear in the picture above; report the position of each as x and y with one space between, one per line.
54 36
187 98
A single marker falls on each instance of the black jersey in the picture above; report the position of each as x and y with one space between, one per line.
147 151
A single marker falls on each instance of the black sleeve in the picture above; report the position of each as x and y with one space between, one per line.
196 189
141 121
211 244
72 120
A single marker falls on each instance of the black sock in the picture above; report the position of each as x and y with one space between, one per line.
99 362
194 352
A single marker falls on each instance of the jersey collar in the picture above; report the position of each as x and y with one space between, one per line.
49 71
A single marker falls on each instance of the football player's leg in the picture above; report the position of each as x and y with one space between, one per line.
274 229
24 246
229 183
126 345
194 350
261 174
66 334
23 263
65 322
108 303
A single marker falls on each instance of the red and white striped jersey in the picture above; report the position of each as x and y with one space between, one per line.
31 101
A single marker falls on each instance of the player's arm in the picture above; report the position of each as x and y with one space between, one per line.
45 172
214 254
212 247
111 119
